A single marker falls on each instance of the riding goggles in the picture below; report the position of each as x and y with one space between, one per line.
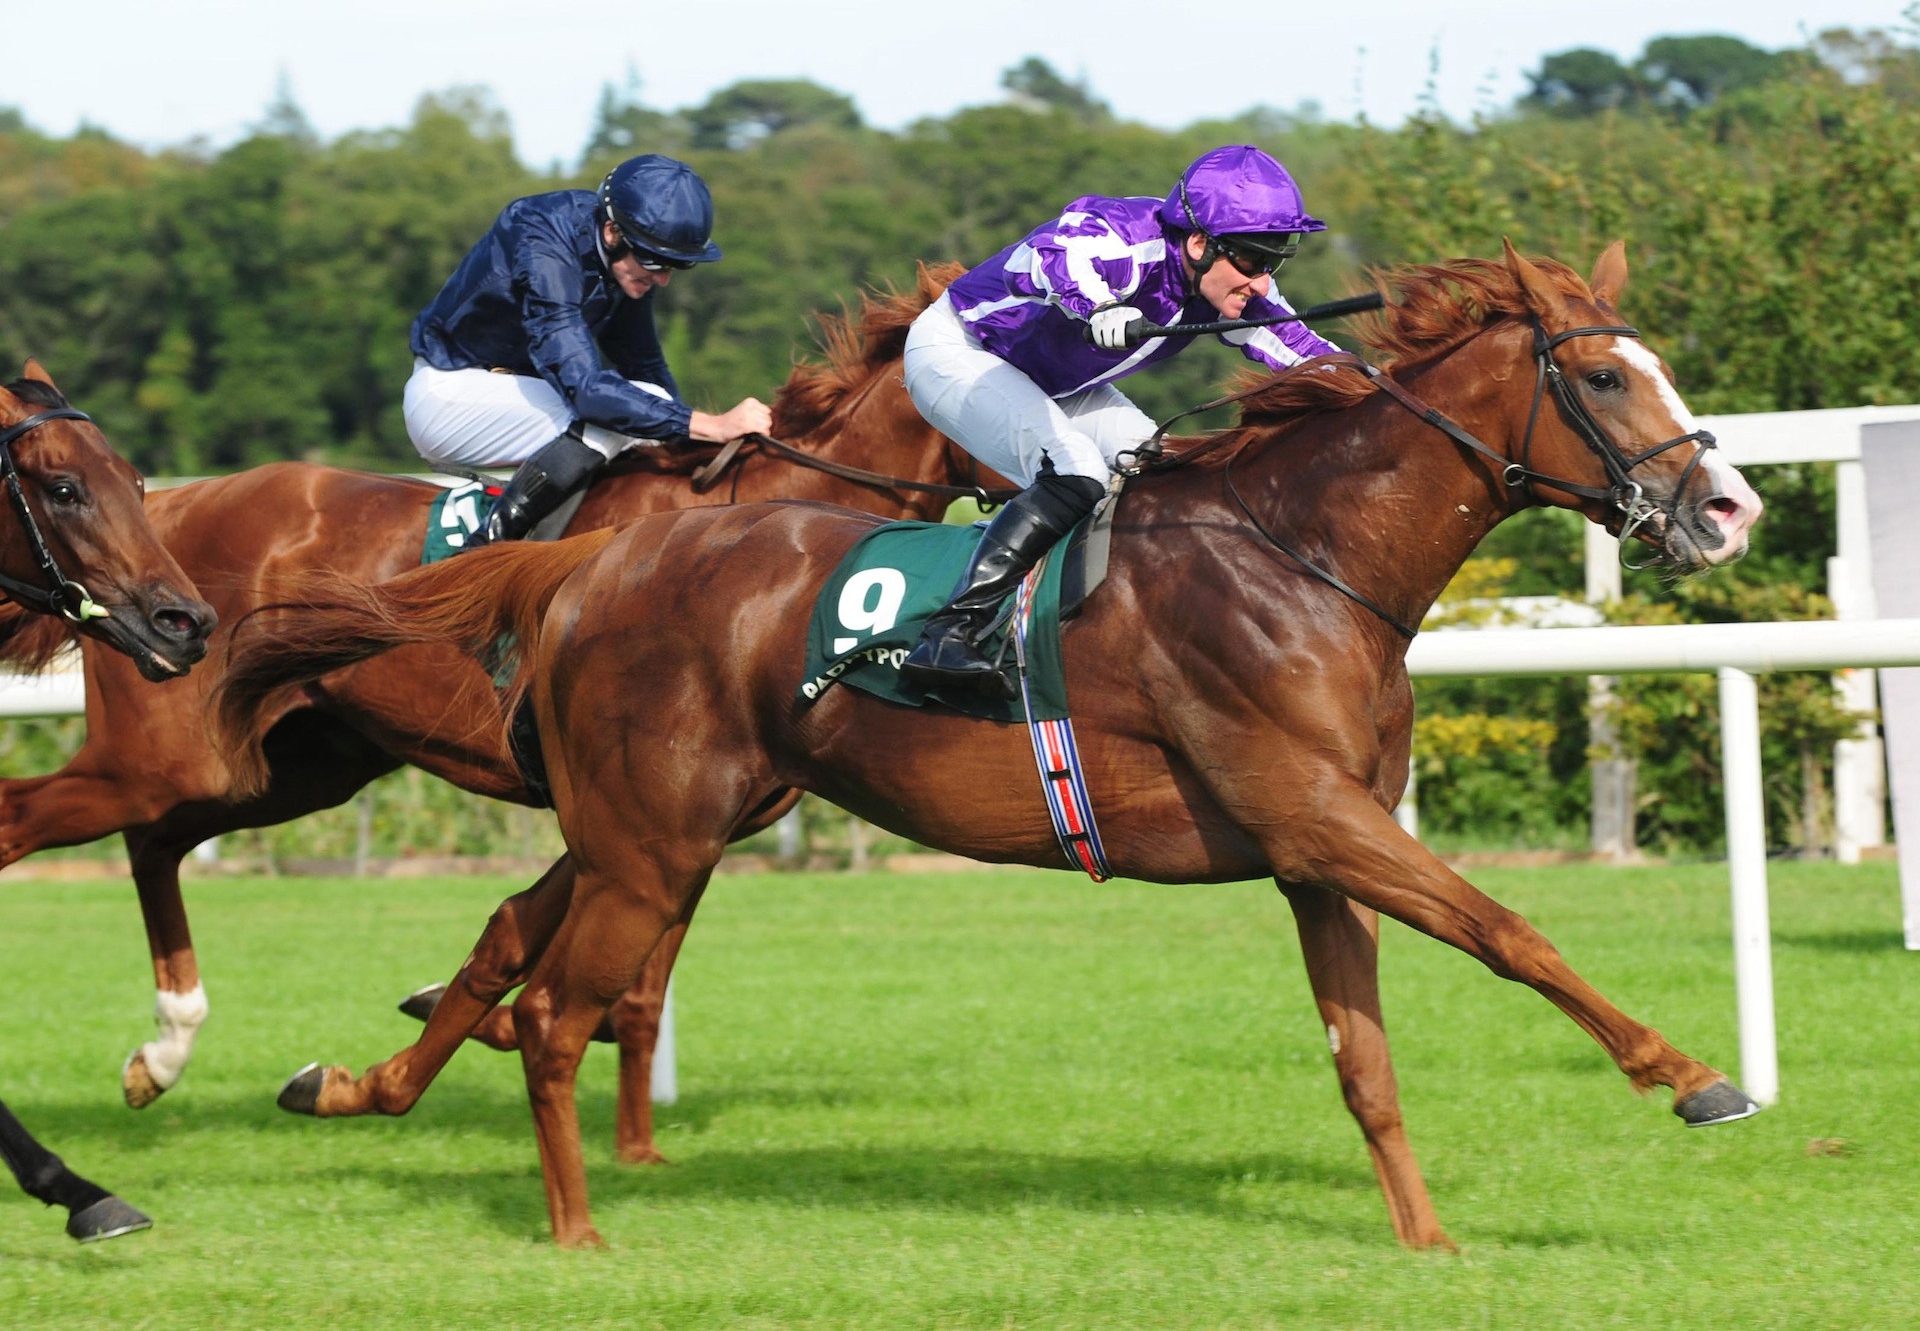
647 259
1254 253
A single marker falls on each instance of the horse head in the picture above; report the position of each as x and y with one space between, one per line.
1605 432
78 543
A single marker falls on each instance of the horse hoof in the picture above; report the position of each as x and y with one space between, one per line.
1722 1102
137 1084
301 1094
107 1218
421 1002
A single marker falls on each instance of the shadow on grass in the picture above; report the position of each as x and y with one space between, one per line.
1844 941
861 1181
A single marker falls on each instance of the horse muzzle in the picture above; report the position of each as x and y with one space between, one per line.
1710 532
165 638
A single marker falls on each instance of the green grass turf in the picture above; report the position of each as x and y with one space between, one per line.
987 1100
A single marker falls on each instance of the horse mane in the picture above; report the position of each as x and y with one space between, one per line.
30 640
1433 308
856 343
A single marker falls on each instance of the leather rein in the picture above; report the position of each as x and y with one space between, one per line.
709 475
1622 493
60 594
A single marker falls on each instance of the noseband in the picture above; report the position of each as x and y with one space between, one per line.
61 595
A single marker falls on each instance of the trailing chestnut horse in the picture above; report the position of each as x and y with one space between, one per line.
76 553
1239 715
247 538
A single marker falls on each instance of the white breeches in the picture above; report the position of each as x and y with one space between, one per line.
477 418
996 413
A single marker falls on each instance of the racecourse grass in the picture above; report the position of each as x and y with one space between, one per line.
999 1099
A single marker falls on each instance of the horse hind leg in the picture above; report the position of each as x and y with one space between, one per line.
633 1023
1340 941
615 922
515 939
635 1018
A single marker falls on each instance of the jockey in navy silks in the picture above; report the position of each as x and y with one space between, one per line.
1016 361
541 348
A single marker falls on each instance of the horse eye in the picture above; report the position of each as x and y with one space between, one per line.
64 492
1603 381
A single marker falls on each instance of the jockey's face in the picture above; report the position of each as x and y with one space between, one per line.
1225 287
632 278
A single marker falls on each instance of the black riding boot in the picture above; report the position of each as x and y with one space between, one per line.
541 485
948 652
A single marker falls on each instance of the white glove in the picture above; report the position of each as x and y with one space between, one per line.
1111 327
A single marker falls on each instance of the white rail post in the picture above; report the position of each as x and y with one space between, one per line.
1890 460
1747 866
665 1086
1859 764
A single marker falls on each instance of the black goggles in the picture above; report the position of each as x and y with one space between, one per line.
1251 257
647 259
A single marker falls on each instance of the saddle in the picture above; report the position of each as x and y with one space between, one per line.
871 610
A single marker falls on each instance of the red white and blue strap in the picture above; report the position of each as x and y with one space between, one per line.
1062 776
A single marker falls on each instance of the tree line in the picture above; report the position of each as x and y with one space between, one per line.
223 307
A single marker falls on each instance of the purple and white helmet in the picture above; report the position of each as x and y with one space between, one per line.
1237 190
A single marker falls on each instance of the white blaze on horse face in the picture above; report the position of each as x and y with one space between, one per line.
178 1016
1738 507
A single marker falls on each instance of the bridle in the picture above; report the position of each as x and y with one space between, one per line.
60 595
1622 493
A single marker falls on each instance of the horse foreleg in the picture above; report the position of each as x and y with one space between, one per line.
93 1213
1340 940
77 804
312 765
514 940
180 1004
1354 847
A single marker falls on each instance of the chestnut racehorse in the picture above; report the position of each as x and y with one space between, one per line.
246 537
1240 713
75 547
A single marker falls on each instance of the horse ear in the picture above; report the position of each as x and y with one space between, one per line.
35 370
1610 274
1543 298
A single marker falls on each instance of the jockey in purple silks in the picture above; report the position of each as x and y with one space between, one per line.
1016 361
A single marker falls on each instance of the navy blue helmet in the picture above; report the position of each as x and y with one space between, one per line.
661 206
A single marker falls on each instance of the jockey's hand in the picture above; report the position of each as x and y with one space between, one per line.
1111 327
750 416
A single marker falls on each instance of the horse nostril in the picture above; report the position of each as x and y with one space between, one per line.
176 624
1722 510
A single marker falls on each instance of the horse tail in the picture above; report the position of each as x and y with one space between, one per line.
29 640
468 602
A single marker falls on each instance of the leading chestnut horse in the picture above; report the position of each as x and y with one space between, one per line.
246 538
75 548
1239 713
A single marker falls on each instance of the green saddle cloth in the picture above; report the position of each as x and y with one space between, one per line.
871 611
456 514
